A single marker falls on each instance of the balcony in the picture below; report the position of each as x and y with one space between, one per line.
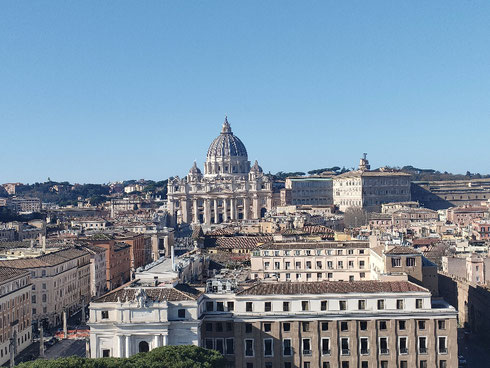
384 351
345 352
442 350
325 351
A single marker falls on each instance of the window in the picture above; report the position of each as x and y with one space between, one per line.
181 313
249 306
308 265
306 365
363 325
287 350
325 346
402 325
442 364
345 364
384 364
381 304
209 327
344 346
442 342
220 346
422 345
306 347
249 347
44 298
382 325
364 346
418 303
250 365
396 262
230 306
383 345
267 327
361 264
364 364
324 326
285 306
33 298
403 364
441 324
399 304
286 326
306 326
319 265
423 364
361 304
229 326
220 307
106 353
248 328
402 345
324 305
304 305
209 306
344 326
287 365
410 262
268 347
326 365
421 325
267 306
105 314
219 327
342 305
340 265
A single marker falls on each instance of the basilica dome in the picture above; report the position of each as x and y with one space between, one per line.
227 144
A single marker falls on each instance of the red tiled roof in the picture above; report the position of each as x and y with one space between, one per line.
331 287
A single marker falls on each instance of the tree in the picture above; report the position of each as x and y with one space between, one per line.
355 217
181 356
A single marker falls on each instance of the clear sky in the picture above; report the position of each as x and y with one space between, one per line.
98 91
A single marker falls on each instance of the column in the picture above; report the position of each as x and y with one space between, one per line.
246 208
121 346
195 210
225 209
165 340
216 216
156 341
128 347
235 210
232 209
255 208
207 211
185 211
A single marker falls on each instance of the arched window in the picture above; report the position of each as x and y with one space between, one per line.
143 347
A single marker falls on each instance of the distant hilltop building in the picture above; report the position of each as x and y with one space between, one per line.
229 190
369 189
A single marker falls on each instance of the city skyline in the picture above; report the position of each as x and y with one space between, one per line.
97 92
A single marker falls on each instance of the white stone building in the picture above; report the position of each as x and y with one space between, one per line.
139 318
229 189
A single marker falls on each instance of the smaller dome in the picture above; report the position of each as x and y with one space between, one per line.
195 170
256 168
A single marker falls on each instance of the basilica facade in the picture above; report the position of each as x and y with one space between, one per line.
230 189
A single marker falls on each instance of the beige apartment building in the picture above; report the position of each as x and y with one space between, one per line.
331 325
60 280
368 189
311 261
15 311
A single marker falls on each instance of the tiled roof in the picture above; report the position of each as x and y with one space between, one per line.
180 292
7 274
402 250
242 242
331 287
314 245
51 259
352 174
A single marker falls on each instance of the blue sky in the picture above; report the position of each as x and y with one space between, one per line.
97 91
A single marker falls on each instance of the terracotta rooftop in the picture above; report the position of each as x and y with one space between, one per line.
331 287
402 250
314 245
47 260
180 292
7 274
242 242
